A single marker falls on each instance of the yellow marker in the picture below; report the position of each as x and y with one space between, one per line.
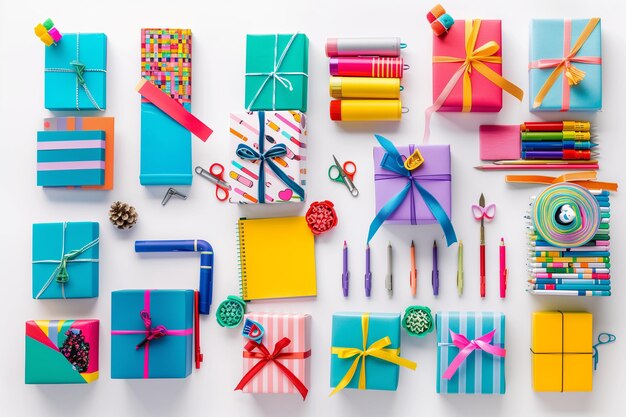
273 126
364 87
365 110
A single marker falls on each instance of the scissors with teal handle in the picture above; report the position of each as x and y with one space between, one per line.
344 174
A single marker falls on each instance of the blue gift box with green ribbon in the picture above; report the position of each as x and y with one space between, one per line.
75 73
277 69
65 260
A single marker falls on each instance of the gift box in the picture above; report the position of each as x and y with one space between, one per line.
61 351
75 73
165 144
561 351
470 353
559 84
279 363
104 124
66 260
70 158
483 90
277 69
376 333
269 157
151 333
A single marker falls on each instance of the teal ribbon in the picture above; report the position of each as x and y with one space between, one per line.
393 162
265 157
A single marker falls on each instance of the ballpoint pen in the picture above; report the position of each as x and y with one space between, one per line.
389 276
368 274
481 203
413 273
435 275
459 270
503 271
345 274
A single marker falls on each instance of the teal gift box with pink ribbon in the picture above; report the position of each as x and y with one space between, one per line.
151 333
470 353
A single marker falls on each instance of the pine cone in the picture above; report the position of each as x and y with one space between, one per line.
122 215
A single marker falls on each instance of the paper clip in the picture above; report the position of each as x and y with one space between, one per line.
170 192
603 339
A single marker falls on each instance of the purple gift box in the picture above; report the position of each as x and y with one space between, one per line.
434 175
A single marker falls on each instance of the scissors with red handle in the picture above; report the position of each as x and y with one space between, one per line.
215 174
344 174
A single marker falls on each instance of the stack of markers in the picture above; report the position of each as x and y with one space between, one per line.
365 78
552 142
563 267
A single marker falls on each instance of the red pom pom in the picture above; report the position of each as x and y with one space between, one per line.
321 217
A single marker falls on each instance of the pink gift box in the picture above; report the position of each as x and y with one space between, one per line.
486 96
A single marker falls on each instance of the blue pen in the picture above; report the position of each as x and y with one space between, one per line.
557 146
572 287
435 275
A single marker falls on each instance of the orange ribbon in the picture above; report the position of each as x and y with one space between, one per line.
585 179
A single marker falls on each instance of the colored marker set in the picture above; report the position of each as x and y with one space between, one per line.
365 78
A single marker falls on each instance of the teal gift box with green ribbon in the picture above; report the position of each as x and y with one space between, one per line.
75 73
277 69
65 260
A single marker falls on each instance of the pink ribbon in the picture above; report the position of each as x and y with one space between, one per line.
468 346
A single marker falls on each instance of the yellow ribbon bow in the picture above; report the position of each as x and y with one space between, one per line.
476 59
585 179
378 349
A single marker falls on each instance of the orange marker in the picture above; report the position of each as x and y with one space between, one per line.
273 126
245 195
239 135
281 161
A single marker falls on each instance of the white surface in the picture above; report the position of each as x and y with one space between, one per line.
219 30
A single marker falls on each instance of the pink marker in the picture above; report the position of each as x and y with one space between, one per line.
245 170
287 122
241 179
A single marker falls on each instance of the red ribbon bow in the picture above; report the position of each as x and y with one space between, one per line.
467 346
266 357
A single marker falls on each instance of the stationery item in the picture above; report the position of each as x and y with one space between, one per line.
570 287
123 215
367 66
48 33
570 293
442 25
390 47
459 269
321 217
365 87
470 353
253 330
413 272
206 262
598 279
198 355
270 252
586 179
344 174
563 126
365 110
345 276
418 321
389 276
165 143
271 169
75 73
230 312
560 145
280 364
277 72
504 272
481 212
498 142
565 65
603 339
172 192
396 200
65 260
435 273
434 13
367 344
532 167
61 351
564 135
368 273
70 158
567 154
215 174
151 333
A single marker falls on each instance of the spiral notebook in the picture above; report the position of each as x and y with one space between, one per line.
276 258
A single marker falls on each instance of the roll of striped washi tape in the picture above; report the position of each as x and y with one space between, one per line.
566 215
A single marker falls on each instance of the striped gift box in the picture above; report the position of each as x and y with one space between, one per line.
270 379
70 158
480 372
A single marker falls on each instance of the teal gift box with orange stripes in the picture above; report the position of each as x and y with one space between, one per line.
70 158
470 353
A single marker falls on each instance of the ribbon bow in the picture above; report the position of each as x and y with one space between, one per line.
246 152
378 349
393 162
468 346
475 58
585 179
275 74
571 75
275 357
151 333
480 213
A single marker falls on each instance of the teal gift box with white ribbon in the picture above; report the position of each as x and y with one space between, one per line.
65 260
277 69
470 353
75 73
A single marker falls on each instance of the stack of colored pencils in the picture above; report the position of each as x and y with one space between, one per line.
579 271
557 141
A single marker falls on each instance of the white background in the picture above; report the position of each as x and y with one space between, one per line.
219 30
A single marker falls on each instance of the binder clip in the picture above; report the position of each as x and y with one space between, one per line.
253 331
440 21
48 33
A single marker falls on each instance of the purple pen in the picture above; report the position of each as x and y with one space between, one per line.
345 275
435 277
368 274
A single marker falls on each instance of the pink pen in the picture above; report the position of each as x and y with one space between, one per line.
378 67
287 122
503 271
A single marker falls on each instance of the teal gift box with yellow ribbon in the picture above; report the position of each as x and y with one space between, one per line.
65 260
75 73
277 69
365 351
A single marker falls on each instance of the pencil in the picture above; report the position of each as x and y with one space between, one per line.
571 293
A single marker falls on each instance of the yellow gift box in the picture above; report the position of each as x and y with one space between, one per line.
561 348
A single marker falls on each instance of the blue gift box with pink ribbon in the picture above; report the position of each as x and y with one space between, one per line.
151 333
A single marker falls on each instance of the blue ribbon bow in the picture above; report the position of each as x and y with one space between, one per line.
393 162
246 152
